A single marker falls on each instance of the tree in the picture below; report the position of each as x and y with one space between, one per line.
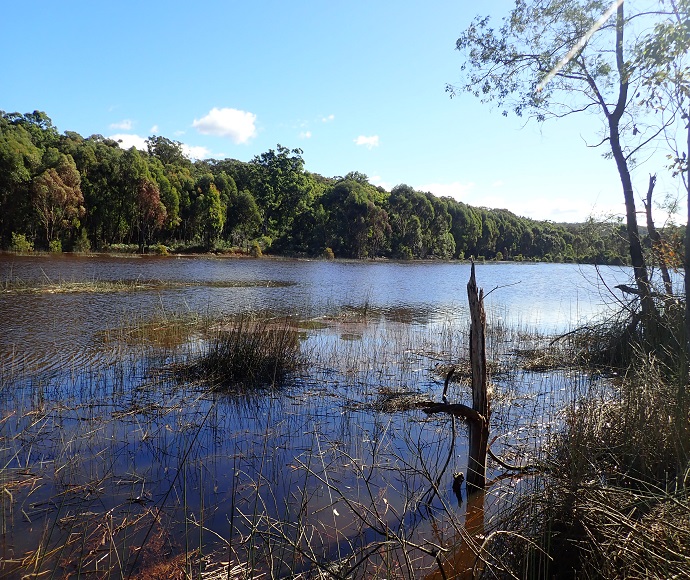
210 211
168 151
357 227
244 218
151 212
19 160
553 58
281 188
57 198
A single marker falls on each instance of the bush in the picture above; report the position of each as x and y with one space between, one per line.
159 249
255 250
21 244
55 246
82 244
613 499
328 254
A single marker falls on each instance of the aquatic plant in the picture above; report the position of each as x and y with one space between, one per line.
246 353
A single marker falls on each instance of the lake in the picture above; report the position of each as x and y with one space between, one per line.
103 449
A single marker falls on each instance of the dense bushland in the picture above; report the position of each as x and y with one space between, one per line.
66 192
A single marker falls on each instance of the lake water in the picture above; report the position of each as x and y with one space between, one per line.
100 442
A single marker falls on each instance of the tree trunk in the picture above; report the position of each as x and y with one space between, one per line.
686 266
478 429
655 237
614 118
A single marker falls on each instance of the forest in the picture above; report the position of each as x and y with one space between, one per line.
64 192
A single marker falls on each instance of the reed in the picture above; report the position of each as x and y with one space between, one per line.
247 353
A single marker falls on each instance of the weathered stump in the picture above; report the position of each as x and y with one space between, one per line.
478 425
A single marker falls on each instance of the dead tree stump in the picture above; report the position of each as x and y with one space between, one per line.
478 415
478 425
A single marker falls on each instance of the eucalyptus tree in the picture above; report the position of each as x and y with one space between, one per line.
19 161
281 188
553 58
57 197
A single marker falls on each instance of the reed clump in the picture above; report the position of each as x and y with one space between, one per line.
249 353
613 500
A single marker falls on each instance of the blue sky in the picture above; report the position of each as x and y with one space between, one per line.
358 86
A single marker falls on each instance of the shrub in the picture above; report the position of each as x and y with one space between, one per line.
159 249
55 246
21 244
82 244
328 254
255 250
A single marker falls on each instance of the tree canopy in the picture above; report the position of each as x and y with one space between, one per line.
88 191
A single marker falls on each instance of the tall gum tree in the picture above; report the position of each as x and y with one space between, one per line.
554 58
664 56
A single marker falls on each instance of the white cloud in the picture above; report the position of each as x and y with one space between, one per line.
456 190
124 125
327 119
305 135
233 123
153 130
127 141
368 142
377 180
196 152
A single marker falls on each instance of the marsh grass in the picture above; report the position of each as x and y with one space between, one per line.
175 460
49 286
612 498
246 353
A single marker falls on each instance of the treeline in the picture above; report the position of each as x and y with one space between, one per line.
66 192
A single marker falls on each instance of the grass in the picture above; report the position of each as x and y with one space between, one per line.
17 286
247 353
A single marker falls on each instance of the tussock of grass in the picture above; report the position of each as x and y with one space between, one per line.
248 353
615 499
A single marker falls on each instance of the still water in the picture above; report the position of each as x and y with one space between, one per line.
103 451
551 297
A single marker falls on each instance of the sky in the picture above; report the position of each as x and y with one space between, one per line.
358 86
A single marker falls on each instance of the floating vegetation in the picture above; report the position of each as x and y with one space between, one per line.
106 286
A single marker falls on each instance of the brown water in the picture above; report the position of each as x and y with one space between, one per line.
103 451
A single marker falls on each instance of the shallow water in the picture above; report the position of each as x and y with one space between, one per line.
102 443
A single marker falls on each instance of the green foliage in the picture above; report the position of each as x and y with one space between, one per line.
255 251
55 246
21 244
82 243
62 186
159 249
